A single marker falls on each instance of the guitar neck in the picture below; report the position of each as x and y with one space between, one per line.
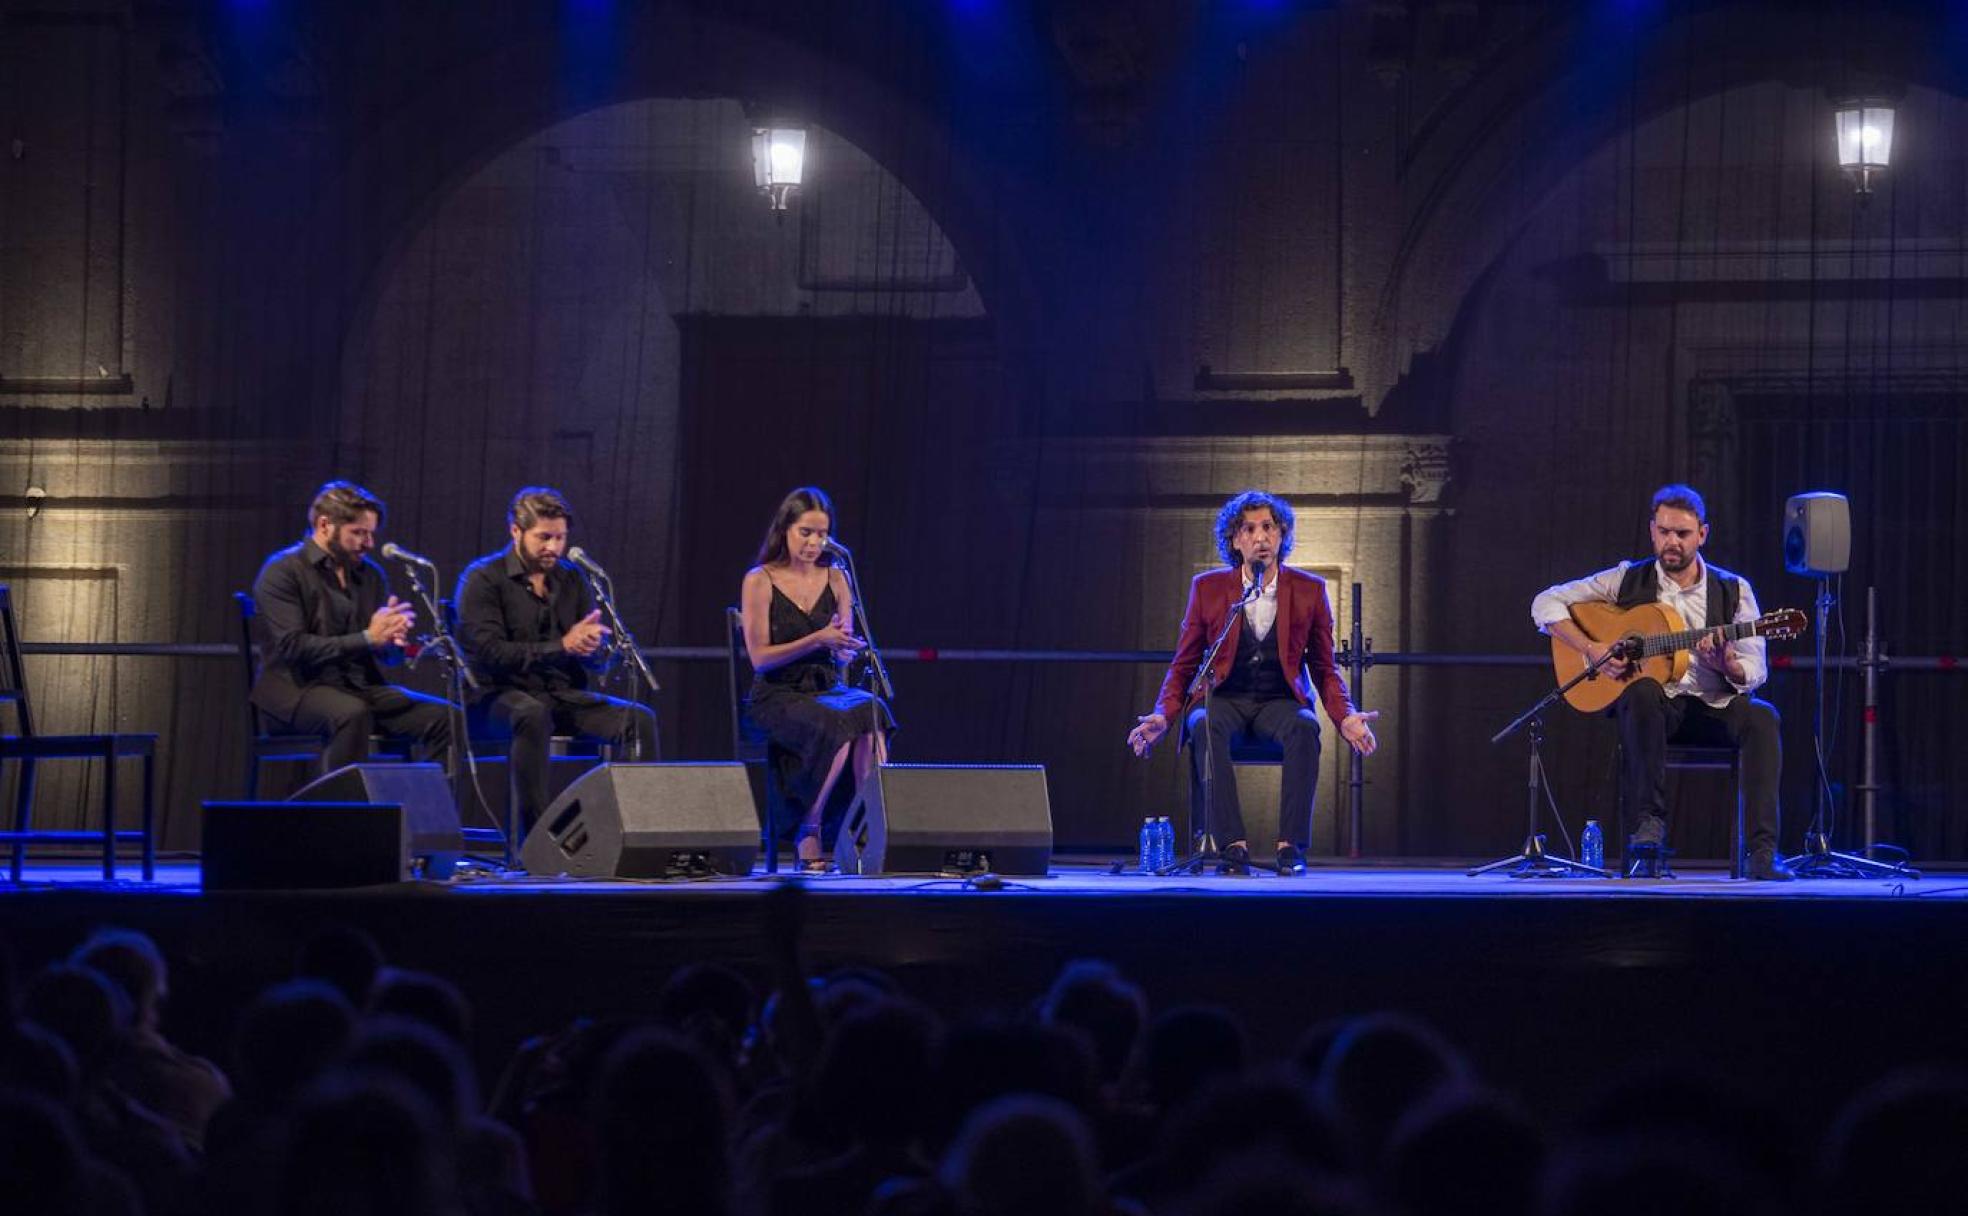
1671 643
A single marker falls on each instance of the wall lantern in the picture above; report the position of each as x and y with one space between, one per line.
779 161
1865 140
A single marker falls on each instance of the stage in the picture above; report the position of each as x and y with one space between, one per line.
1800 991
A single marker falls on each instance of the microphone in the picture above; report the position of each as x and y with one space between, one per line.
393 550
579 557
837 549
1257 580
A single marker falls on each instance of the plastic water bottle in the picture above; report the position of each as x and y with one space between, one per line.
1592 845
1164 843
1151 846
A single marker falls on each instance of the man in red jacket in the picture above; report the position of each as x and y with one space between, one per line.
1278 656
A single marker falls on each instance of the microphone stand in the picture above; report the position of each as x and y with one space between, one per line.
457 678
1533 859
877 670
883 695
1202 846
603 589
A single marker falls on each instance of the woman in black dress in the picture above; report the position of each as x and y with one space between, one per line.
799 630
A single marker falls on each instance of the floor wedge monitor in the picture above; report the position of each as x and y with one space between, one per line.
648 821
948 819
430 814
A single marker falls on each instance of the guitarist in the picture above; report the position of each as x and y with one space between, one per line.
1709 705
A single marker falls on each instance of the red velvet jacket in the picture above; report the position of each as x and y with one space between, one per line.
1305 639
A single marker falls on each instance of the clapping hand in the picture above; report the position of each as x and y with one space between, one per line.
391 624
586 637
838 637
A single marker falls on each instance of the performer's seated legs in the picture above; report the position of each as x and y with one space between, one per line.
1295 729
1755 728
1646 714
426 721
1209 743
527 722
340 717
625 725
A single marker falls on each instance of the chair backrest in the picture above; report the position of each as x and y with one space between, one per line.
747 740
249 661
12 671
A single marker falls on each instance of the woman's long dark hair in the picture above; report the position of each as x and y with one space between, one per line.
794 505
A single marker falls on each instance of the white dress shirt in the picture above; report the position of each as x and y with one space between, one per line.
1553 604
1261 613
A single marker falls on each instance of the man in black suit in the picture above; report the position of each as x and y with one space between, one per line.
328 626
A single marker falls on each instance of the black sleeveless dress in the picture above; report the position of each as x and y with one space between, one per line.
805 709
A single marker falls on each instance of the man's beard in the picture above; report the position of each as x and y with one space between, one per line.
347 557
1677 563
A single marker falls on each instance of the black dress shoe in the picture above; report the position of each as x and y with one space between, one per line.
1291 861
1651 833
1235 860
1766 866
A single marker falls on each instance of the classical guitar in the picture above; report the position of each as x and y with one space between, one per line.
1663 643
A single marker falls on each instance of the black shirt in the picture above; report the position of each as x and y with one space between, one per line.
312 629
512 635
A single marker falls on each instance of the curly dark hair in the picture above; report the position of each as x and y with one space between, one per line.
794 505
1231 517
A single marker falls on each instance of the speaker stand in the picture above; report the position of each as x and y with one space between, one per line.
1819 859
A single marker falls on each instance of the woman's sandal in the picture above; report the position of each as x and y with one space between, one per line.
809 865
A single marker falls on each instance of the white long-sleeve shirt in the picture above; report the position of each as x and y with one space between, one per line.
1553 604
1262 613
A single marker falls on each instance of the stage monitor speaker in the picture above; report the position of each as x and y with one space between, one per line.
266 846
948 818
1817 535
648 821
430 814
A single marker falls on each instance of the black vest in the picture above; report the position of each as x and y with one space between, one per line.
1641 585
1257 672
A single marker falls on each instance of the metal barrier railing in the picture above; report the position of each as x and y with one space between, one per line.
687 654
1356 655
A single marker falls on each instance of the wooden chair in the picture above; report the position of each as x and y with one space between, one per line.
29 749
1257 766
497 749
266 746
750 746
1716 758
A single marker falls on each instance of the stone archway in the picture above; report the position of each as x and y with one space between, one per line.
1475 175
526 331
425 148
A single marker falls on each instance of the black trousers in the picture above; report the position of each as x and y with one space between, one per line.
1293 727
530 720
346 717
1649 720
